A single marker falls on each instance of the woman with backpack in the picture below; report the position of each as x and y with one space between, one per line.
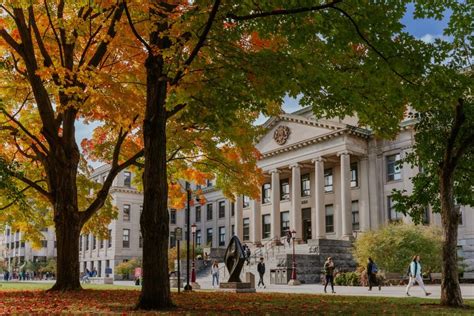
329 272
416 275
372 270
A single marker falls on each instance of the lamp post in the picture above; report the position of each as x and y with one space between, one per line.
188 222
193 271
293 280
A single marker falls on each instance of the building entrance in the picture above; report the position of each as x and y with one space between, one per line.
306 213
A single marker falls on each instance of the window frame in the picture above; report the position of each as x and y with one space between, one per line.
221 209
355 225
396 175
328 180
354 172
126 212
246 229
127 179
285 189
327 217
126 238
305 179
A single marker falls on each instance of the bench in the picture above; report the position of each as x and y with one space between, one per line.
394 279
435 278
467 277
101 280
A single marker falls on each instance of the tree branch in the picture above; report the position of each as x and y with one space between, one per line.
282 11
175 110
134 30
58 41
10 41
359 32
33 184
459 119
18 197
200 43
104 191
26 131
102 48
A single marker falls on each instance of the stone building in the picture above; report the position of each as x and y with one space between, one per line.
17 251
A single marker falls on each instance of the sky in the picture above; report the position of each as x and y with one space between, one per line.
425 29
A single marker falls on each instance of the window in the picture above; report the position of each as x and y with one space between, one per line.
209 212
44 244
328 180
221 209
284 190
354 175
126 238
393 215
127 179
245 201
209 237
198 237
266 193
22 245
355 215
126 212
208 183
101 244
94 243
8 232
285 223
172 240
173 216
329 218
140 240
232 229
246 229
232 208
426 216
266 226
43 229
87 242
305 185
393 168
198 213
109 243
222 236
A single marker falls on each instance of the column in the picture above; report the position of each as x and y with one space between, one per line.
346 207
295 215
275 198
238 217
364 203
255 208
318 218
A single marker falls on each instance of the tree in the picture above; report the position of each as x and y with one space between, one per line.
444 139
60 63
393 246
212 66
127 267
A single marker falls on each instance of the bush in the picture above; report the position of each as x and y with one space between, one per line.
128 267
173 252
347 279
393 246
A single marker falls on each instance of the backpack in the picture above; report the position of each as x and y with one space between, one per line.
374 268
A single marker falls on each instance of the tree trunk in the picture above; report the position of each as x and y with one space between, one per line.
154 221
450 289
68 229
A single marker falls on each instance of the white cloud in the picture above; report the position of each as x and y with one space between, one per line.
430 38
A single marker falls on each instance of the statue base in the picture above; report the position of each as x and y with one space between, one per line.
195 286
237 287
294 282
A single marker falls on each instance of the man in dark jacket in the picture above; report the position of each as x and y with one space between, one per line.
261 272
372 274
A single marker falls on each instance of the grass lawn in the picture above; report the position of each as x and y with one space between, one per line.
27 298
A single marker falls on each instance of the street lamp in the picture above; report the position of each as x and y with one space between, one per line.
188 224
193 271
293 280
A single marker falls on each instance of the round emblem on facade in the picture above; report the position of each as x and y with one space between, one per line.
281 134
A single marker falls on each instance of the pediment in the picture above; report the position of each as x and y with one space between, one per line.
287 130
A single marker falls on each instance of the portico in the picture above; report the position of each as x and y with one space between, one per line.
312 182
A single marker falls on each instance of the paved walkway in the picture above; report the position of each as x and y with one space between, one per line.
389 291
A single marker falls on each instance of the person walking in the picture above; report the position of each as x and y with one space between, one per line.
288 237
416 275
372 271
215 273
329 272
261 272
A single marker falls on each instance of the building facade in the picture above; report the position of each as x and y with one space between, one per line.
17 251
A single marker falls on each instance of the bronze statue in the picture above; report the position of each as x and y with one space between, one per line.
234 259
